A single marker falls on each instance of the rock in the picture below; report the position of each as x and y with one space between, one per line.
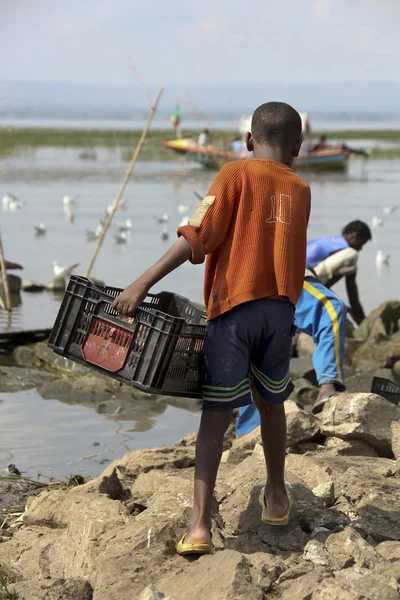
302 367
367 417
244 446
349 447
224 576
355 588
13 379
301 427
395 429
14 284
303 588
304 392
349 549
45 357
56 284
325 491
396 370
389 550
23 356
383 320
361 380
364 486
113 537
305 346
151 593
65 589
29 285
373 355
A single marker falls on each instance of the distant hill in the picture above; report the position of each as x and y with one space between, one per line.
225 101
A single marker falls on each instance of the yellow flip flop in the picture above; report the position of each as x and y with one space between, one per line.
268 519
183 548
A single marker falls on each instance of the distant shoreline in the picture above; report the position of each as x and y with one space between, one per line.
15 140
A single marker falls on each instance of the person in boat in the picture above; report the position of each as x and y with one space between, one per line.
204 139
253 280
322 144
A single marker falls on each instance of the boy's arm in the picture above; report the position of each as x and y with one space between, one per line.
128 301
206 231
357 311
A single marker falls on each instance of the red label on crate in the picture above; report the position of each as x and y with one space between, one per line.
106 345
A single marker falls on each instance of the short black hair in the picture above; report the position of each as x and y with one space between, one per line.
358 227
276 124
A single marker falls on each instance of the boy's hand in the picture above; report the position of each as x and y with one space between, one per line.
128 301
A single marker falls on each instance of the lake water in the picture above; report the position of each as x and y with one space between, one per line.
47 435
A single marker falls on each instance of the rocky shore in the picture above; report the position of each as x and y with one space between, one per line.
113 537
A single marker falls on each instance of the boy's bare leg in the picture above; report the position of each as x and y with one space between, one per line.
209 444
273 433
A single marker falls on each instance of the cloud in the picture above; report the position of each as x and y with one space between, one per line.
208 30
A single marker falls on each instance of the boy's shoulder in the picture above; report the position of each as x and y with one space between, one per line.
299 181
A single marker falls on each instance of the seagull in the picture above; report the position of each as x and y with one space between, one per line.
162 219
127 227
11 203
382 259
164 234
121 238
40 229
388 210
63 272
182 209
184 221
376 222
121 206
68 201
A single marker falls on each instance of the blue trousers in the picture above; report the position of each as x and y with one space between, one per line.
321 314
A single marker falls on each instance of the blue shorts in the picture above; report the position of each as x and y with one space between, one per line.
248 345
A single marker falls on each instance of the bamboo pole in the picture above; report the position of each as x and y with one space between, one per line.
128 173
5 278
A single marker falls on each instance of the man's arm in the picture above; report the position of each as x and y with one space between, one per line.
128 301
357 311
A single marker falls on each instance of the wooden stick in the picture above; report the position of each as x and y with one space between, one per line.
5 278
128 173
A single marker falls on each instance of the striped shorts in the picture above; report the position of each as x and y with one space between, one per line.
248 345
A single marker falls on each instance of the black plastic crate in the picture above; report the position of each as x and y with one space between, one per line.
387 389
159 350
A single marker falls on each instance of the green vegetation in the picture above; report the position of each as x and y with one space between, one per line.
13 141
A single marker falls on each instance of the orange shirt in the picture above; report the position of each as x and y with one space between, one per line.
252 226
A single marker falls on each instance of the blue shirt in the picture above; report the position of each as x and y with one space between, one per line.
320 248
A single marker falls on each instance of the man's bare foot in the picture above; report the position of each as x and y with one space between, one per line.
277 500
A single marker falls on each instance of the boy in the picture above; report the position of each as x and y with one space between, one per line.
252 225
334 257
321 314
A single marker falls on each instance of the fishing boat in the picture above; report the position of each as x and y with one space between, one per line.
331 159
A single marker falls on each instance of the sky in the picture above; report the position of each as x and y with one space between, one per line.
200 41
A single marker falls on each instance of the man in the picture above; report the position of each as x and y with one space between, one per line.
321 314
204 139
334 257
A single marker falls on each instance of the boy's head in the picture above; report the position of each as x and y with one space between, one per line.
275 131
357 233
